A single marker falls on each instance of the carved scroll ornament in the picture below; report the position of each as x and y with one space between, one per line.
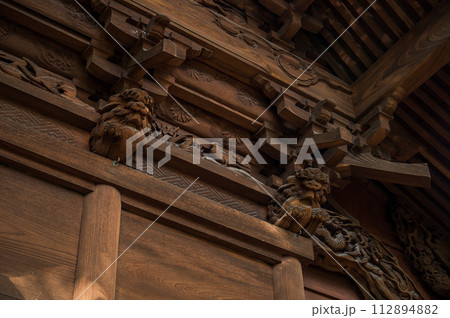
337 239
26 70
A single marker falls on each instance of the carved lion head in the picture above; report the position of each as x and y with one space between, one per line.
312 184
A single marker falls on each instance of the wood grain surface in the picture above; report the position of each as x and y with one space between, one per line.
168 264
411 61
39 228
99 241
288 280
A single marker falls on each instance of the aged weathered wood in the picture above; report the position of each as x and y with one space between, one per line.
44 172
28 71
374 267
288 280
334 138
421 52
338 241
99 245
131 113
246 55
320 284
199 228
379 117
168 264
66 13
138 185
43 26
225 61
125 115
420 237
365 165
334 155
300 199
40 225
48 103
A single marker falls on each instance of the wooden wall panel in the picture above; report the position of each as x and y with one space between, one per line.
168 264
322 284
314 295
39 228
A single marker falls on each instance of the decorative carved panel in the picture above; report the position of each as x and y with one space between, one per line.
339 242
426 245
369 261
15 115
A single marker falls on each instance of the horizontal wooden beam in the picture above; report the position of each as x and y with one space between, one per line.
214 107
148 57
62 35
409 63
243 232
367 166
339 136
246 57
48 103
289 111
334 155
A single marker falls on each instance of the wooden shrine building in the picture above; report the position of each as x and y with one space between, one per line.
365 85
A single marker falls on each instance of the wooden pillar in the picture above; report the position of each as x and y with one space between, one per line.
99 244
288 280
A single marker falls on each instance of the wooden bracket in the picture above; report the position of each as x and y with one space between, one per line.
289 111
322 111
98 65
290 16
116 24
339 136
269 131
365 165
378 119
165 52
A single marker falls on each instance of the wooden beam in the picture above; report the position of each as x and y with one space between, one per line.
99 245
334 155
409 63
213 106
339 136
365 165
288 280
235 230
289 111
302 5
48 103
235 57
149 57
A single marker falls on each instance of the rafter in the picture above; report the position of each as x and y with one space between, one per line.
409 63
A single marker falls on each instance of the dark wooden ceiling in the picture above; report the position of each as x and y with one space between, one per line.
420 130
367 40
421 134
